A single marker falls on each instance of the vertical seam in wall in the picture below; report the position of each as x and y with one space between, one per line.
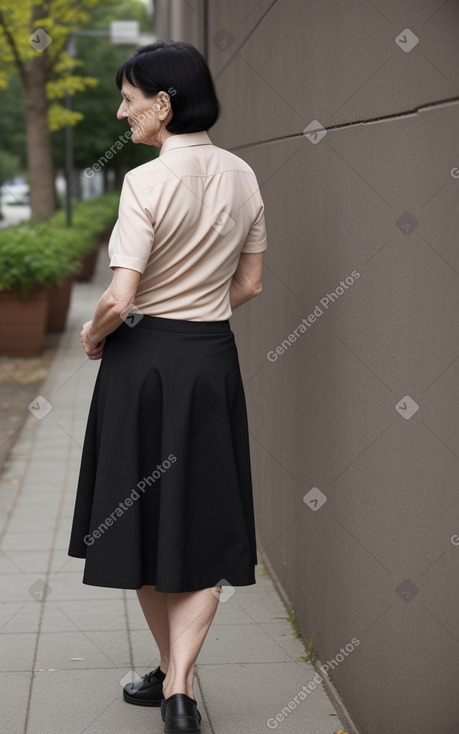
206 30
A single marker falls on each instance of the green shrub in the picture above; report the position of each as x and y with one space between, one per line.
41 254
91 218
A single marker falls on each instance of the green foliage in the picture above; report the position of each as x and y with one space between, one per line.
30 258
54 17
99 129
90 219
13 129
311 652
58 115
94 107
9 166
40 254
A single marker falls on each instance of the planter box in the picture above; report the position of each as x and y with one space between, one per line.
22 323
58 305
88 266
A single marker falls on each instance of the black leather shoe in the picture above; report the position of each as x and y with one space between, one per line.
180 714
146 691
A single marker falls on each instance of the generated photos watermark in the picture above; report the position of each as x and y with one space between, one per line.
128 502
40 590
39 407
306 323
40 40
274 721
223 590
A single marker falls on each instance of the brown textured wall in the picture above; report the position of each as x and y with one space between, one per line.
361 408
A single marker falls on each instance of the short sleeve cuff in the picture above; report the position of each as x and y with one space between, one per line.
255 247
126 261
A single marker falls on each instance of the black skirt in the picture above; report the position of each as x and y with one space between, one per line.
164 493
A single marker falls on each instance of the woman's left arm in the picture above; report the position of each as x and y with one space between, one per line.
107 317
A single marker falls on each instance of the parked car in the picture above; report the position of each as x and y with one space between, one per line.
14 194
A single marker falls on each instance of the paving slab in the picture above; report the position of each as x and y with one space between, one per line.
14 707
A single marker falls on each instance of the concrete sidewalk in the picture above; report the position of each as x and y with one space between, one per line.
65 646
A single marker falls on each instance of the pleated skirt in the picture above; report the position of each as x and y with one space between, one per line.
164 493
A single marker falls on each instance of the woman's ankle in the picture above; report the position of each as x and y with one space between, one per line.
177 685
172 690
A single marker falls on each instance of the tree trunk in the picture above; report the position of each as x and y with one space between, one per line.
39 152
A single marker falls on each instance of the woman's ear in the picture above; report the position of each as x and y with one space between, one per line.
164 103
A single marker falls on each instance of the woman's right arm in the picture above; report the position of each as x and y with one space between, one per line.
246 282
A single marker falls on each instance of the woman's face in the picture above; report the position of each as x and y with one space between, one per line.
147 116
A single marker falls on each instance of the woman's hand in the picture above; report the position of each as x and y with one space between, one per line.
93 350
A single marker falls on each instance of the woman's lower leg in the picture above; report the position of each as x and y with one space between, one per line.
154 607
190 615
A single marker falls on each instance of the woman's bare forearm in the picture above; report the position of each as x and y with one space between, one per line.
239 294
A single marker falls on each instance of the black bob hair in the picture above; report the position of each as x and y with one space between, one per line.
180 70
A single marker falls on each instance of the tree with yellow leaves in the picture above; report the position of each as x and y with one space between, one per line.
34 37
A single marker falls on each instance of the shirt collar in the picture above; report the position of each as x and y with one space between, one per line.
184 140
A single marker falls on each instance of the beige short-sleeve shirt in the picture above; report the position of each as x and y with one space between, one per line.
184 218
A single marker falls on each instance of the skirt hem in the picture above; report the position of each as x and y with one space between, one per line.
247 580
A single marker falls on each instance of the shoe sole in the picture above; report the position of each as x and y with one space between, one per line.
185 731
138 702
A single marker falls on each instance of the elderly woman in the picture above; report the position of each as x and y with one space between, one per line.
164 500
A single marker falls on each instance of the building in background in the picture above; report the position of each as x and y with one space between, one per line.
348 113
